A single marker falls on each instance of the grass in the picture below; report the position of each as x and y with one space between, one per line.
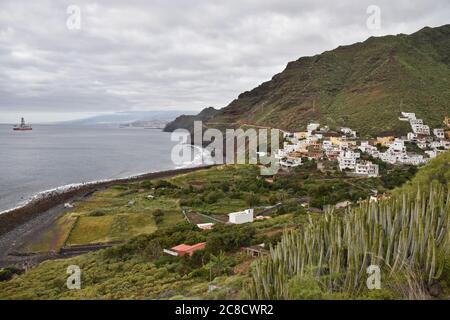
54 238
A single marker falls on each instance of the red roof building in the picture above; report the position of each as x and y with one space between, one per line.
183 249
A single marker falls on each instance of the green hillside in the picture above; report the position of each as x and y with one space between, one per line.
139 270
363 86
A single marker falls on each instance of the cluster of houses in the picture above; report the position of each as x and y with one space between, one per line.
320 143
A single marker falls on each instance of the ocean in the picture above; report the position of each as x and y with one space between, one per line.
52 156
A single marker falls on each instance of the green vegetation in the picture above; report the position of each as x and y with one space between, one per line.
312 255
401 235
437 169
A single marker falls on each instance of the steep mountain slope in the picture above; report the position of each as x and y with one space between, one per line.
187 121
363 86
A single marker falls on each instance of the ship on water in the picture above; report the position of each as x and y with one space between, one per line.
22 126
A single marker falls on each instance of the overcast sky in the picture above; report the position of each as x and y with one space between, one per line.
171 54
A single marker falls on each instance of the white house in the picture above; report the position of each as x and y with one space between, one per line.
291 162
388 157
413 159
349 132
422 144
367 168
420 129
409 115
436 144
413 122
347 160
446 144
241 217
327 145
411 136
439 133
312 127
398 146
431 153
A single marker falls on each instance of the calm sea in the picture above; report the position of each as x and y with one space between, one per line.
51 156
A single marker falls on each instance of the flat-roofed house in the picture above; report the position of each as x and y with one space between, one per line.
439 133
347 160
241 217
367 168
312 127
420 129
409 115
184 249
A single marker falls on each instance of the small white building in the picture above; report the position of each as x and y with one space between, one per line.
388 157
347 160
312 127
241 217
327 145
205 226
348 131
411 136
420 129
439 133
431 153
436 144
422 144
367 168
290 162
414 122
397 147
409 115
413 159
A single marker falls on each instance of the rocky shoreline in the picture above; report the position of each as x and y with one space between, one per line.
19 223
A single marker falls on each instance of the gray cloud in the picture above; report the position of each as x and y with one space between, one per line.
173 54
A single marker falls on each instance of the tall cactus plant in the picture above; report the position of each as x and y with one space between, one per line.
402 231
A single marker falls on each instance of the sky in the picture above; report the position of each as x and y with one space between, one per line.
61 60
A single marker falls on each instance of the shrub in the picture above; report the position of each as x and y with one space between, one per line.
7 273
252 199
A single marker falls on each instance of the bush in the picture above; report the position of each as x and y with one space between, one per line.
158 215
213 197
229 238
97 213
252 200
8 273
304 288
164 184
147 185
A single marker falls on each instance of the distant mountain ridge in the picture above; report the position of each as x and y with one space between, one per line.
131 117
187 121
363 86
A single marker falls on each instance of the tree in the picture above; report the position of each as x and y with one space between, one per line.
252 200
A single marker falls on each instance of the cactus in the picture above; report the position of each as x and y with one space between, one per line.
401 232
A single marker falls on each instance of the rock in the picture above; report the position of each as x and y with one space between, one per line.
435 289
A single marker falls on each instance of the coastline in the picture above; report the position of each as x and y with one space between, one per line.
46 200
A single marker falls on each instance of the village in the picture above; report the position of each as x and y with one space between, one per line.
320 143
345 149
